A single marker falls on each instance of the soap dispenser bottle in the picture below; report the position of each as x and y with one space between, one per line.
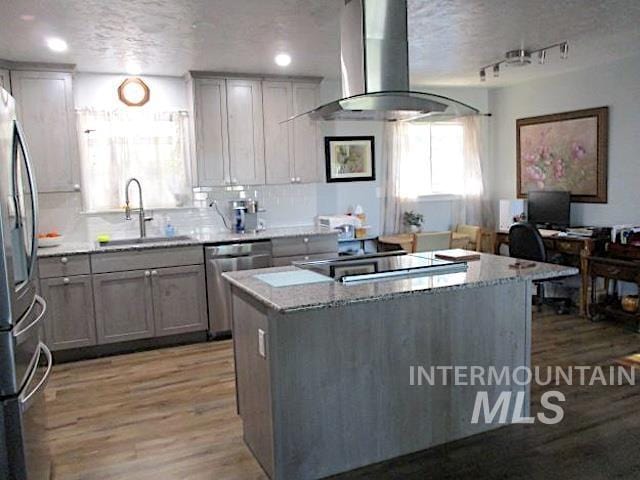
169 229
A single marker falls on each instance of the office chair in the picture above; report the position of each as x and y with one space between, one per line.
526 243
431 241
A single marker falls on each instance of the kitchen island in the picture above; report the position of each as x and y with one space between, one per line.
326 371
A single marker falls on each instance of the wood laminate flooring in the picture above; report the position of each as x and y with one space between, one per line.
170 414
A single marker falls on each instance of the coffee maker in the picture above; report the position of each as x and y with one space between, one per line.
244 214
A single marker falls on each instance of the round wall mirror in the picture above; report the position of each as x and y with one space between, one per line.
133 92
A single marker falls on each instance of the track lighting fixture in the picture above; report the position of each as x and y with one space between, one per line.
522 57
542 56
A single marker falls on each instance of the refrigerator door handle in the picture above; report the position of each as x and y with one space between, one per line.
34 197
20 332
26 399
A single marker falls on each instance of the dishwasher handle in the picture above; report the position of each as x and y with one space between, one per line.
219 265
238 250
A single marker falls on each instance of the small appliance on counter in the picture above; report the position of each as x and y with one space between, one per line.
349 226
332 222
346 231
243 215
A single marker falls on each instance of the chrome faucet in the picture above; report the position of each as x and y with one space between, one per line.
140 209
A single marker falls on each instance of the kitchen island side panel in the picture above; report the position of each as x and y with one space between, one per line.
340 377
253 380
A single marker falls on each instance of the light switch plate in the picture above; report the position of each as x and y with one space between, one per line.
261 345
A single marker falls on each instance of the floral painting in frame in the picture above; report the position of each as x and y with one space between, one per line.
349 159
564 151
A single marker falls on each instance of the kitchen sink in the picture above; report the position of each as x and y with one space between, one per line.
145 240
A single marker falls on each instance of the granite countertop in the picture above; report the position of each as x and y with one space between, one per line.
199 238
489 270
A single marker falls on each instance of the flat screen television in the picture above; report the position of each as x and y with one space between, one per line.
551 209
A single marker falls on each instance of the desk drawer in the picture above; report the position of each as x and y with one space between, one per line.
625 273
567 246
63 266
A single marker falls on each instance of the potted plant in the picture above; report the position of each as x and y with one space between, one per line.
412 221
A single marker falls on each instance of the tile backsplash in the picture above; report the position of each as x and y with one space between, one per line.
285 205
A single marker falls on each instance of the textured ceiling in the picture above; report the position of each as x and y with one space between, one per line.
449 39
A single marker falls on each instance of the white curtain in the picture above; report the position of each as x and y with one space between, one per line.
469 209
151 146
407 170
398 186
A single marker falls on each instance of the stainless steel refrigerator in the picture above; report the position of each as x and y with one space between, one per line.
25 360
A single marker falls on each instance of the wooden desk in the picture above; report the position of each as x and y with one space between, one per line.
576 249
613 268
404 241
400 241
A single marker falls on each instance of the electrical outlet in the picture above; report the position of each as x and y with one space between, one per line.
262 350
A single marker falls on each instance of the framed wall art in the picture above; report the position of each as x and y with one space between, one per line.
564 151
349 159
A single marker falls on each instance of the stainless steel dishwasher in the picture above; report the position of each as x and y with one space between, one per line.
229 258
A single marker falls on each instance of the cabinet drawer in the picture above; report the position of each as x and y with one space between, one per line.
144 259
626 273
304 245
564 246
63 266
285 261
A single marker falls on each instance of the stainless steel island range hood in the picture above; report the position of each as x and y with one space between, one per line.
375 69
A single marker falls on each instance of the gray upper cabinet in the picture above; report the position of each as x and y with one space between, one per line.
277 101
45 109
179 299
70 321
291 149
211 140
124 306
306 133
246 137
4 80
239 137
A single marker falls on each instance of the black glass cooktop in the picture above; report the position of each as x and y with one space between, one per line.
381 266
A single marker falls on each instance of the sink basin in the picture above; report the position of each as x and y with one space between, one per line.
142 241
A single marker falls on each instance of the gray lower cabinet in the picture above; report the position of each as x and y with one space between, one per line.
70 320
179 299
139 304
124 306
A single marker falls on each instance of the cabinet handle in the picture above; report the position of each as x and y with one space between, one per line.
64 260
293 179
76 187
66 280
147 273
297 179
154 272
305 240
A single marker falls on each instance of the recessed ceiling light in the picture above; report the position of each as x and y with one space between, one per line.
57 44
133 69
282 59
